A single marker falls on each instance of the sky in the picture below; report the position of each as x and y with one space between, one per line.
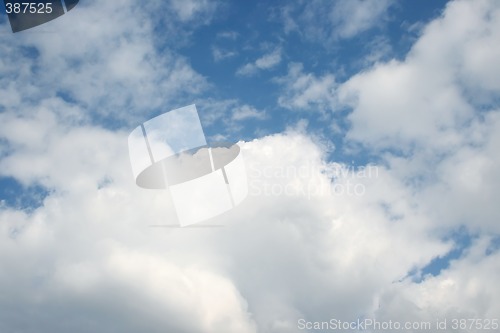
370 132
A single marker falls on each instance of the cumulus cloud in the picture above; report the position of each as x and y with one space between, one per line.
432 94
93 259
434 108
433 119
315 238
435 112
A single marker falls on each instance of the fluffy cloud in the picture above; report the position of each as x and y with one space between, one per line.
107 63
90 258
465 291
436 107
429 97
433 119
315 239
436 112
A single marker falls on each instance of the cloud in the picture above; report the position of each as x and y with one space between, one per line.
433 119
434 112
227 111
232 35
354 17
267 61
306 91
321 21
88 255
109 65
220 54
248 112
228 119
431 95
315 238
193 9
469 282
435 116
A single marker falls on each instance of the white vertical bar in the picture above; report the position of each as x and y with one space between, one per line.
211 158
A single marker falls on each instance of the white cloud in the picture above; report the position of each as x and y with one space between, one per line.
464 291
289 23
88 249
109 64
431 95
267 61
232 35
227 111
306 91
191 10
220 54
437 107
296 248
469 181
399 104
248 112
436 114
354 17
327 22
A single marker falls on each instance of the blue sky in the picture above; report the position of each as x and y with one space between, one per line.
245 33
314 92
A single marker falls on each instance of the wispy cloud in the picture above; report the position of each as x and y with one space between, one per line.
220 54
188 10
267 61
306 91
328 21
232 35
248 112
